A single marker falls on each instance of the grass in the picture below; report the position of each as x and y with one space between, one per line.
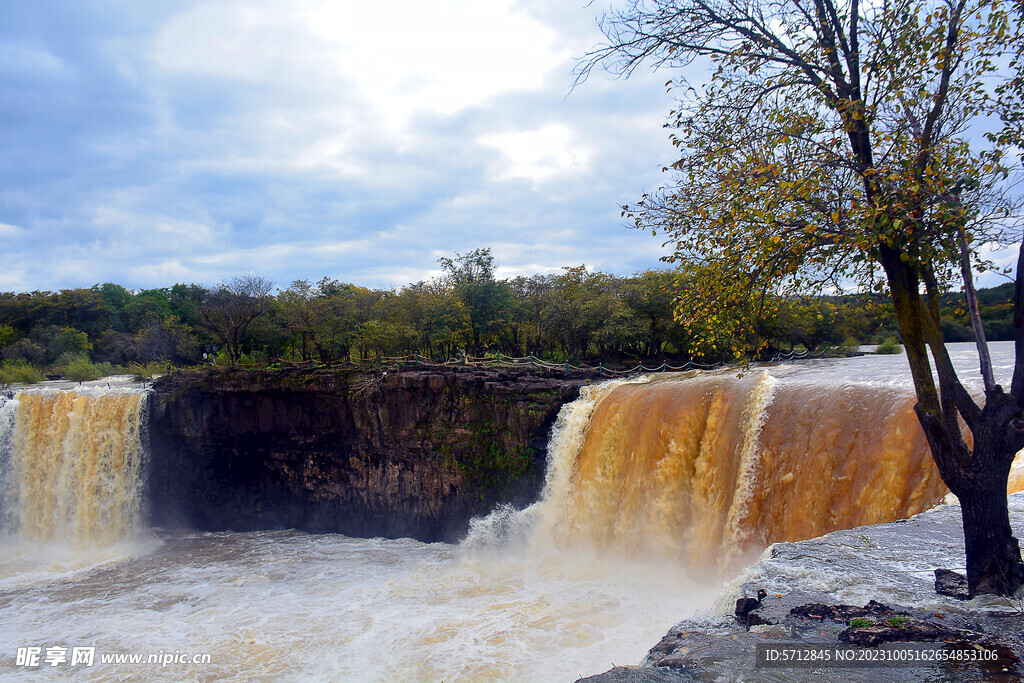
860 622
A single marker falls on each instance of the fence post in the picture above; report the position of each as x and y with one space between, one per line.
416 358
567 367
531 360
499 358
600 369
463 356
348 357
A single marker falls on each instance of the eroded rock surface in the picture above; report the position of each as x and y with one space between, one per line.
411 453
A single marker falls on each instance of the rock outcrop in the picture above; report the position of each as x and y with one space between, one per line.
412 453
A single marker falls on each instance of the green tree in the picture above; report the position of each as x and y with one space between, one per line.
115 298
141 309
438 316
806 321
651 296
830 146
471 277
583 310
165 339
535 293
68 340
323 316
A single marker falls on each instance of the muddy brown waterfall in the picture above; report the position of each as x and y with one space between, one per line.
712 468
72 465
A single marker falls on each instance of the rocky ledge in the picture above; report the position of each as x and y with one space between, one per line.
855 605
392 453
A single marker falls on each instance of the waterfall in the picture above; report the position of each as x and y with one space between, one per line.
70 465
706 469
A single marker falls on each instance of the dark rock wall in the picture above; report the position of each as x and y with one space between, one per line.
406 453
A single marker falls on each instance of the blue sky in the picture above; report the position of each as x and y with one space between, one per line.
149 143
160 142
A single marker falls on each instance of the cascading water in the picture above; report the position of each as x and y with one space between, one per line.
707 469
71 465
710 468
8 407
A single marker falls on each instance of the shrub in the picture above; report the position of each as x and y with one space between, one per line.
890 345
76 367
19 372
68 341
144 373
81 370
898 621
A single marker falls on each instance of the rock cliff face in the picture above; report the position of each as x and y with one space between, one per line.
402 453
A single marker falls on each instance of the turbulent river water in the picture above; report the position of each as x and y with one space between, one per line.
657 490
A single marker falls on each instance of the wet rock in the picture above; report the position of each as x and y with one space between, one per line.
745 606
637 674
948 582
414 453
746 610
841 612
896 629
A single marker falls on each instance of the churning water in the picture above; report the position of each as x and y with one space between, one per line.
656 491
507 604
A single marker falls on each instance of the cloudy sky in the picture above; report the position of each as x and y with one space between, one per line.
149 143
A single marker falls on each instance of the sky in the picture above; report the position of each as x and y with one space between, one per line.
150 143
165 141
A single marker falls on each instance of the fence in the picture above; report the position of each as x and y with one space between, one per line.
531 361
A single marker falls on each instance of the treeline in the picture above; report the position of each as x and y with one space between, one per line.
576 315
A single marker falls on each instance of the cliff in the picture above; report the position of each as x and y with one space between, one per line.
412 453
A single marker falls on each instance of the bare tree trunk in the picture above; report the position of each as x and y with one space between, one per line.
975 314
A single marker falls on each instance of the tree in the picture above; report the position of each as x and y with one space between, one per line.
650 296
471 277
831 145
228 310
536 293
7 335
323 315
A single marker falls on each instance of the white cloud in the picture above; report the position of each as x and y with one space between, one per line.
537 154
407 57
1003 257
438 56
14 280
161 272
303 138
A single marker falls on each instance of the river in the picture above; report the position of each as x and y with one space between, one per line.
627 540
